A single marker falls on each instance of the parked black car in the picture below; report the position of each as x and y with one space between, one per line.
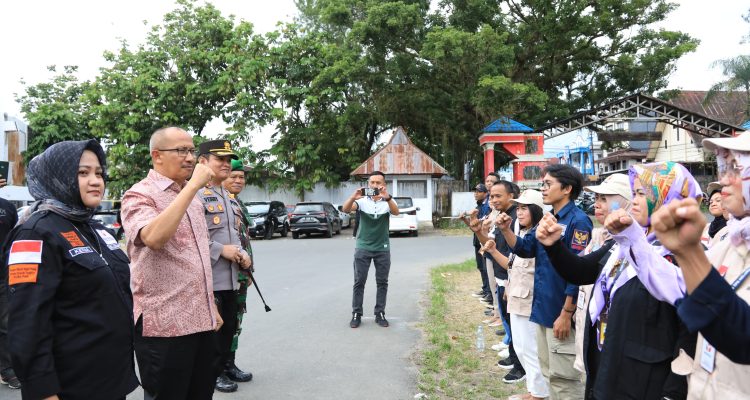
315 217
267 218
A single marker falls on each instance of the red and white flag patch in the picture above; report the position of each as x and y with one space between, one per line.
25 252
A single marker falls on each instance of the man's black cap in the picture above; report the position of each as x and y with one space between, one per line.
480 188
219 148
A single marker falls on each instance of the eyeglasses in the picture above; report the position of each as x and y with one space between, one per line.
547 184
181 151
731 171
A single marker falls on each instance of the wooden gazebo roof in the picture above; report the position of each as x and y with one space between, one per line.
400 157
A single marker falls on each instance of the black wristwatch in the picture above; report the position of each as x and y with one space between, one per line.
389 198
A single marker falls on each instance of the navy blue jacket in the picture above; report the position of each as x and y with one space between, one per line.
550 289
722 317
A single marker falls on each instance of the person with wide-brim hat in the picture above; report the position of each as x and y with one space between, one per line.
712 301
627 353
520 294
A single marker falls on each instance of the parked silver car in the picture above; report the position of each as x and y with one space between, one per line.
346 219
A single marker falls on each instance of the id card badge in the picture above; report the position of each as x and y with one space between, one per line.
602 330
581 299
708 357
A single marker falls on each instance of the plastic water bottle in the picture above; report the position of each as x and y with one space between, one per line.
480 338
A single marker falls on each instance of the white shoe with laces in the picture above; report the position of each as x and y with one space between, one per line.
499 346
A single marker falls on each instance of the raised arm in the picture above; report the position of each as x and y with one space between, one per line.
158 230
490 248
578 270
660 277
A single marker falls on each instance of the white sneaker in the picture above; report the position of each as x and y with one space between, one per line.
504 353
499 346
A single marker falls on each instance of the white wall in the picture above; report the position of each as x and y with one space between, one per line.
680 146
462 201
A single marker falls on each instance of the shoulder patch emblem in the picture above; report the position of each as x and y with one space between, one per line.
72 238
25 252
580 239
22 273
80 250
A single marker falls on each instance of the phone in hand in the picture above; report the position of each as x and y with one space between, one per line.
366 191
4 166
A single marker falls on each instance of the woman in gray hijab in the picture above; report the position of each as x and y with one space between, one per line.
70 323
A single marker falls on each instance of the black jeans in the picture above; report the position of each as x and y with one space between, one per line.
176 368
226 302
4 355
382 261
481 266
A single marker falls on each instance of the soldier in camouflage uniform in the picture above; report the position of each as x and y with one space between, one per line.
234 185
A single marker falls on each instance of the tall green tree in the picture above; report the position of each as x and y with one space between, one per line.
446 72
737 72
197 66
56 110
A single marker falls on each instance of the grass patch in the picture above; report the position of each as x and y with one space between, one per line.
449 365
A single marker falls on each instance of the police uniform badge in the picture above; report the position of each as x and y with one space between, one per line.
211 208
217 220
221 208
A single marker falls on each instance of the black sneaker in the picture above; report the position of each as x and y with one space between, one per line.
8 377
478 294
224 385
488 312
234 373
356 320
380 320
486 299
515 375
505 363
500 332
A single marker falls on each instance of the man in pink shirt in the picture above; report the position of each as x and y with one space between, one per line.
167 241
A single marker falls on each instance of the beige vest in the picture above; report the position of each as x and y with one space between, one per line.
728 380
521 285
598 237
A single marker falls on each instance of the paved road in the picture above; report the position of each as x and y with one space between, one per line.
304 348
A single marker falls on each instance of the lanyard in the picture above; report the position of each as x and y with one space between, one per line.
605 289
737 282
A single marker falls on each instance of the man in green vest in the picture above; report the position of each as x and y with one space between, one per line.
374 208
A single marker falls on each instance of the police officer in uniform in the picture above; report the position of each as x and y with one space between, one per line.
70 307
227 255
234 185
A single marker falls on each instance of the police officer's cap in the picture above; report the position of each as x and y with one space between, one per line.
219 148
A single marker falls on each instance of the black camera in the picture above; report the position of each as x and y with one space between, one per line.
369 191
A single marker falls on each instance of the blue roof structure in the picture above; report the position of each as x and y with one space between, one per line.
746 125
506 125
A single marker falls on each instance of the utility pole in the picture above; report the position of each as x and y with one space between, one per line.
591 145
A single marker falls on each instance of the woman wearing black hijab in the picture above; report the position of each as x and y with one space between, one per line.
70 308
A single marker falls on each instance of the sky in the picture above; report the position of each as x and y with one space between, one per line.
38 33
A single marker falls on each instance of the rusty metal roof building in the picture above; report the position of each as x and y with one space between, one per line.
728 107
400 157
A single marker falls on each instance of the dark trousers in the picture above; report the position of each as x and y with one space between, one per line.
226 302
382 261
482 271
505 315
4 355
179 368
